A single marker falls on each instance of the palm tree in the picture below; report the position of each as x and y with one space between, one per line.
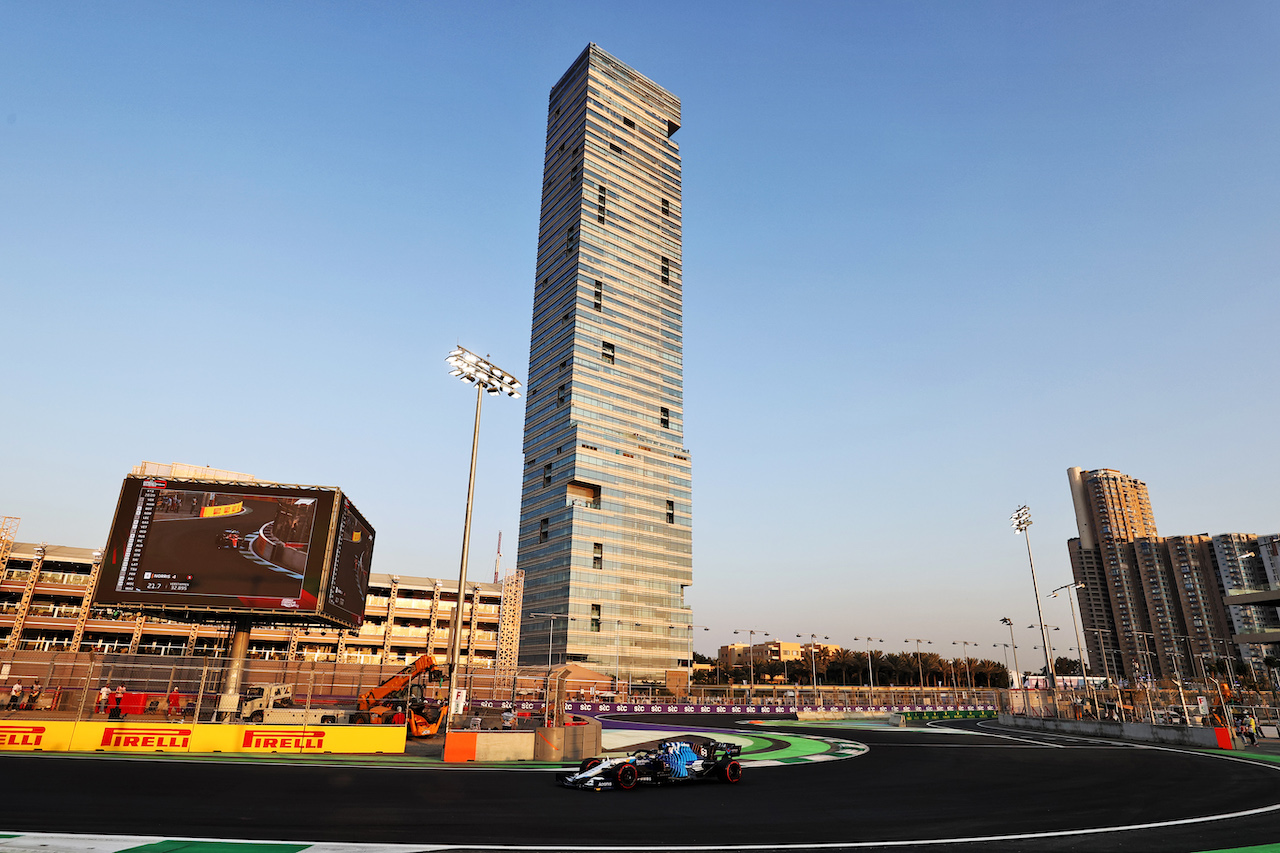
771 668
902 667
845 662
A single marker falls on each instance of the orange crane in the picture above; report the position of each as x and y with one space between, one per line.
407 691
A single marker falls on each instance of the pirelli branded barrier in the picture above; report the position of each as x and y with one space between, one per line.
222 509
58 736
591 708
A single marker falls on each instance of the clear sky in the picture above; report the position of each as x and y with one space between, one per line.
935 254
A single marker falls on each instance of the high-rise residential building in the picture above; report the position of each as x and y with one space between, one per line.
1112 511
1155 605
1242 568
605 515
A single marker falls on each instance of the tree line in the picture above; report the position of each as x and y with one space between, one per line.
850 668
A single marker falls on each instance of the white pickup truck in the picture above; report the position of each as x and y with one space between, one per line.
273 703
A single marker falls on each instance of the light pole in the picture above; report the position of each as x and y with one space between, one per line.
1048 649
871 672
919 662
813 665
1005 646
490 379
1021 520
1079 644
691 627
751 657
964 650
546 715
1026 709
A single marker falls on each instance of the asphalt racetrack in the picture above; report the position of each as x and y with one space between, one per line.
959 785
190 546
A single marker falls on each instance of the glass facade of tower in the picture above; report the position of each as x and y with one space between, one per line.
605 516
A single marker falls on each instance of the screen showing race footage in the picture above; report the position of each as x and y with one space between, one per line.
184 543
353 557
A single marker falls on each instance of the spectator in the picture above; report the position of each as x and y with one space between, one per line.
34 696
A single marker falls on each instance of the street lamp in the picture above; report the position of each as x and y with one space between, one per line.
551 629
691 627
919 662
813 666
487 378
964 650
1076 625
751 657
546 716
617 651
1021 520
871 673
1009 622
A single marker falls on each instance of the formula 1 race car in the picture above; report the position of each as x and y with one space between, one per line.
672 762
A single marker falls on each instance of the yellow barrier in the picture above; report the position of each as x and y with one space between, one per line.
91 736
225 509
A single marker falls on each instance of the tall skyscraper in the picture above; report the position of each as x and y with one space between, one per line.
1156 605
1112 511
605 513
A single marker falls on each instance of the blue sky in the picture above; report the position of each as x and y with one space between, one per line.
935 254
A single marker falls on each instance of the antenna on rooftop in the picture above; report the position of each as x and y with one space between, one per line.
498 559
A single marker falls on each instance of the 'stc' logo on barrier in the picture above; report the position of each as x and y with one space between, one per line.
20 736
282 739
138 738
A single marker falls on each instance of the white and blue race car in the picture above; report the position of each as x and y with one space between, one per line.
673 761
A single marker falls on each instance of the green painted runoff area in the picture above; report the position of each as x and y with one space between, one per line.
216 847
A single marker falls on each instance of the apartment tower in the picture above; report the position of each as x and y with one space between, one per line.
1154 605
605 514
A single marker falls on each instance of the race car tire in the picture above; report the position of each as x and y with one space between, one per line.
587 764
627 777
731 772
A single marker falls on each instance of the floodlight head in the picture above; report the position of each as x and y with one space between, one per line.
478 371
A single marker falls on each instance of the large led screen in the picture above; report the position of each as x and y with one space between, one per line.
184 544
353 555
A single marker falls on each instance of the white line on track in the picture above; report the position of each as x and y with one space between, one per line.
985 733
50 842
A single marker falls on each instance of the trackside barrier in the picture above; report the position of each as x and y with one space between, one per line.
113 736
592 708
1194 736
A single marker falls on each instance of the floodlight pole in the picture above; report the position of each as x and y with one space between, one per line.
455 630
1021 520
487 377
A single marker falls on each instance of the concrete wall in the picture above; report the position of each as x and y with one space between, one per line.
569 743
1195 736
462 746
